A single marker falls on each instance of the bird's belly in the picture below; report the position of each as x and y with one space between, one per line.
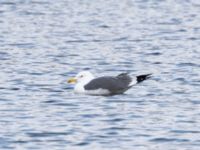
97 92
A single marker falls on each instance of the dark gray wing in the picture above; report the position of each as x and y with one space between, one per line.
117 84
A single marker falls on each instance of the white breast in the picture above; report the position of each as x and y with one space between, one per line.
79 88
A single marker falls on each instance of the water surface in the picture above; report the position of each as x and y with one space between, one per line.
43 43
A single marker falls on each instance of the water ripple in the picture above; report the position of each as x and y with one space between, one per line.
43 43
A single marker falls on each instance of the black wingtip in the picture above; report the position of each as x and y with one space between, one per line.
143 77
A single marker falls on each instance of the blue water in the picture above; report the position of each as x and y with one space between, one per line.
43 43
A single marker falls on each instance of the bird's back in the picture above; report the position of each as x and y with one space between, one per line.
115 85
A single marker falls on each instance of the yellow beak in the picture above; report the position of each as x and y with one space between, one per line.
72 80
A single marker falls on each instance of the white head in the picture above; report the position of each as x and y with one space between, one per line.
82 77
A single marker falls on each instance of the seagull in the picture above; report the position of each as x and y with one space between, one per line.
86 83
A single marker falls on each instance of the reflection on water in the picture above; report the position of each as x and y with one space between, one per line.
42 43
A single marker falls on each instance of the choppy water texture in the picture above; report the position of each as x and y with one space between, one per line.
43 43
